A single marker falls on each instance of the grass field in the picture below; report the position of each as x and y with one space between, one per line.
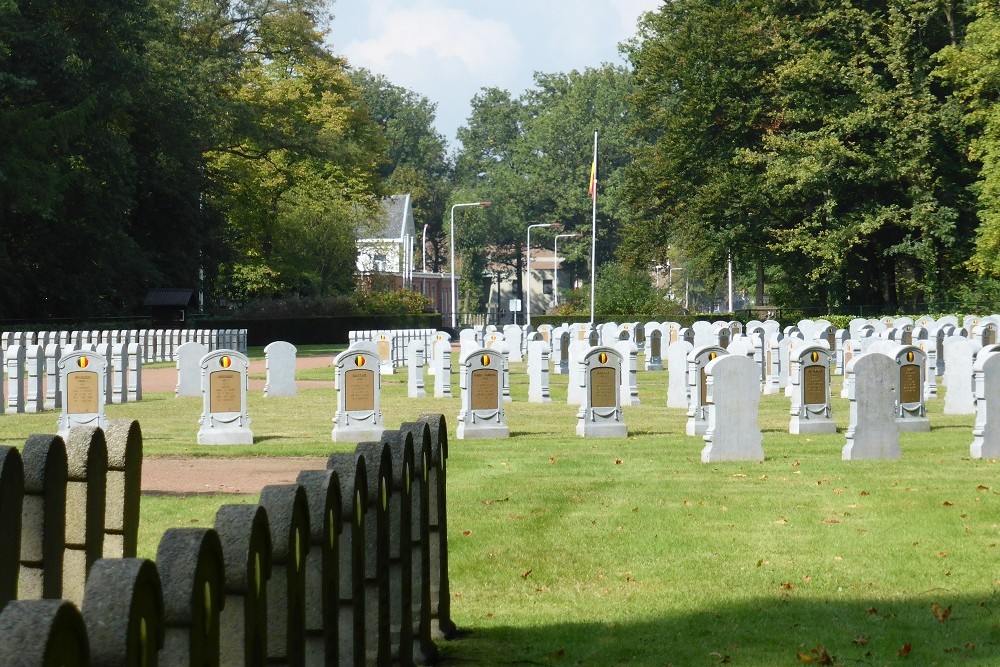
633 552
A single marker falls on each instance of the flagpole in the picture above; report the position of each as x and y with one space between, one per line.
593 236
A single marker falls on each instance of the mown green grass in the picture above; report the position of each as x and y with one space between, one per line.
606 552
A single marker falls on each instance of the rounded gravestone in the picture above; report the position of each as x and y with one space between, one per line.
43 528
46 633
123 612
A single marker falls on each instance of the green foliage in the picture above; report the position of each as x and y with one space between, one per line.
624 293
396 302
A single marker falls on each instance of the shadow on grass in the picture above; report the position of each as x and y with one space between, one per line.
761 632
264 438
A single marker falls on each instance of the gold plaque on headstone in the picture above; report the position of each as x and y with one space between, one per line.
909 383
383 350
673 335
81 393
703 378
603 388
224 392
359 390
484 389
814 385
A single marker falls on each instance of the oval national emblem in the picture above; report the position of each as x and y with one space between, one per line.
83 362
603 357
225 362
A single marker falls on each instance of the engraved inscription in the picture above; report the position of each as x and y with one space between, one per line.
909 383
224 393
814 389
484 390
82 396
384 350
359 390
603 388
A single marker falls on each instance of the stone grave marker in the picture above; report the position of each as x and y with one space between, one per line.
359 389
629 353
871 432
697 414
135 355
482 414
677 379
189 356
104 349
121 519
654 340
810 376
224 419
119 373
279 361
442 366
561 351
732 398
192 572
600 414
384 342
538 370
514 336
245 535
986 430
378 463
43 518
43 632
415 369
911 413
960 352
53 390
83 377
35 364
774 372
14 360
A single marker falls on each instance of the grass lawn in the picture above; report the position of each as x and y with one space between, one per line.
606 552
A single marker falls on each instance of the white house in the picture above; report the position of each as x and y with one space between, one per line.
393 238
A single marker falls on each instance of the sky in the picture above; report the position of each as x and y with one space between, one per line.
447 50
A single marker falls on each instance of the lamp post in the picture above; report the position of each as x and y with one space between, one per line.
527 319
555 252
454 302
423 250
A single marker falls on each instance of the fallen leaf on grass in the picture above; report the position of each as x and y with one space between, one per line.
525 575
838 491
806 579
860 640
947 503
830 521
787 586
817 656
871 611
557 655
467 532
942 554
904 650
618 462
941 614
722 658
982 488
553 459
687 503
863 493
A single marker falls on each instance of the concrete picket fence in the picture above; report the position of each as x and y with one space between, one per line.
347 566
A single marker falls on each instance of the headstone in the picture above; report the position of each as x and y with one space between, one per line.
288 518
384 341
415 369
279 360
192 572
872 432
442 365
852 350
697 414
224 419
359 388
811 391
574 385
11 513
87 470
732 399
677 379
43 632
514 335
986 430
43 518
14 360
562 344
654 360
322 488
53 390
104 349
35 364
600 414
482 413
83 377
773 370
245 534
911 413
629 371
123 611
960 352
400 445
119 373
135 355
538 370
189 356
437 487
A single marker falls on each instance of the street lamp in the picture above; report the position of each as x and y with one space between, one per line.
527 319
423 249
555 278
454 303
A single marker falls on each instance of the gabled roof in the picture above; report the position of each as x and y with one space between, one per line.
165 296
396 220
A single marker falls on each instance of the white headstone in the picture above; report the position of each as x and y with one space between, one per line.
538 369
600 414
697 414
986 431
83 376
959 398
811 391
911 413
677 379
53 390
279 362
872 432
359 395
732 400
135 359
415 369
35 364
482 413
629 371
189 380
442 364
224 419
14 362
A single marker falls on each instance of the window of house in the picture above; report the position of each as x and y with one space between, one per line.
547 287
